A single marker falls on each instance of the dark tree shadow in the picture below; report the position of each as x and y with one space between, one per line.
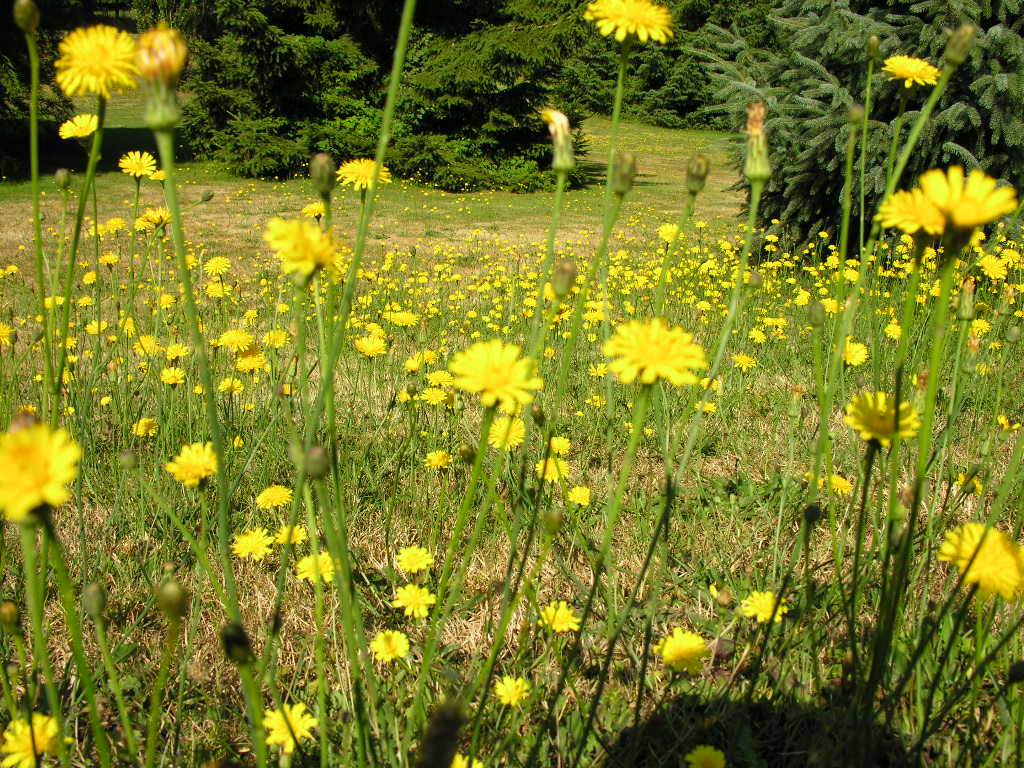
772 734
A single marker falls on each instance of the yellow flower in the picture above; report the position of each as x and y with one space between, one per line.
507 432
653 351
297 535
511 690
22 742
761 606
389 645
314 567
495 371
145 427
911 212
137 164
970 204
235 339
218 266
631 18
359 173
371 346
461 761
438 460
172 377
553 469
313 210
580 495
161 55
38 464
254 544
288 725
230 385
414 559
855 353
414 600
96 60
911 71
273 496
993 267
743 362
300 245
559 617
683 651
193 464
873 415
668 232
705 756
560 445
78 127
987 557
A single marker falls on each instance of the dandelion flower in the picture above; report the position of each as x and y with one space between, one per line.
855 353
288 725
559 617
96 60
912 212
414 559
506 433
145 427
969 203
912 71
743 362
193 464
295 535
300 245
553 469
23 743
705 756
371 346
254 544
495 371
389 645
761 606
631 18
314 567
987 557
274 496
359 173
651 351
511 690
414 600
683 651
78 127
172 376
874 416
38 464
137 164
461 761
438 460
218 266
580 495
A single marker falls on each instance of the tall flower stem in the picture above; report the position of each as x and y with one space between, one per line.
156 698
864 151
536 336
165 145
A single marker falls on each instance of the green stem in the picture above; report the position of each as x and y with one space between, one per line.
114 681
156 700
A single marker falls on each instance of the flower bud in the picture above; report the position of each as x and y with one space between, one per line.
812 514
537 414
128 460
323 173
697 170
26 16
1013 334
855 114
237 646
10 617
318 463
172 599
62 178
564 278
965 305
161 55
960 44
1016 673
724 597
757 167
623 172
207 196
816 314
873 45
94 600
564 157
467 453
553 517
755 280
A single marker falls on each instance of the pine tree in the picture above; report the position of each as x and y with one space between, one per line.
809 88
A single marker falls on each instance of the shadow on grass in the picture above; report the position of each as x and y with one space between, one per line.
771 734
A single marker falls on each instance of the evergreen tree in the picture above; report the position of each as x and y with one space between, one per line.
809 88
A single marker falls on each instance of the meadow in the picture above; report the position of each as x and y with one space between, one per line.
342 470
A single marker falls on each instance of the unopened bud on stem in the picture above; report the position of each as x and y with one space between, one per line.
26 16
960 44
323 172
623 173
697 174
757 167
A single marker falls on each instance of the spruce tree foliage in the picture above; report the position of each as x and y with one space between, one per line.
273 81
809 88
668 84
